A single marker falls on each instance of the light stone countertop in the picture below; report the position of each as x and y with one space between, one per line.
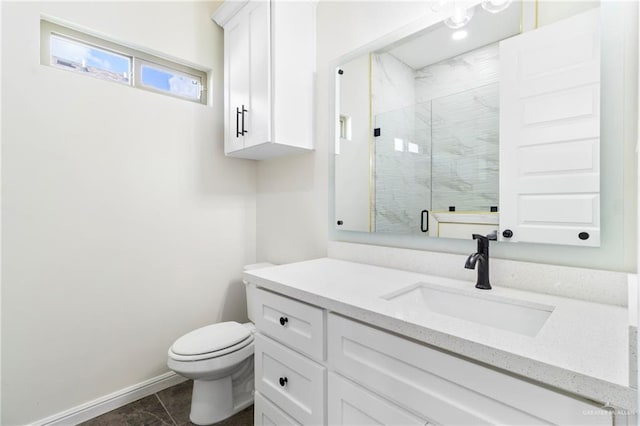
582 348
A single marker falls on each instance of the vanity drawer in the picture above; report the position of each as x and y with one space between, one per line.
267 414
443 388
296 324
292 381
350 404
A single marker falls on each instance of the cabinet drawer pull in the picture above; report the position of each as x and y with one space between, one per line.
283 321
243 130
237 122
283 381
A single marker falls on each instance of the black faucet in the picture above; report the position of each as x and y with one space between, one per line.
481 256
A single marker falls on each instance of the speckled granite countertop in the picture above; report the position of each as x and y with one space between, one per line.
582 347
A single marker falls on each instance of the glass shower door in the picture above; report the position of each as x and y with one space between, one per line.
402 169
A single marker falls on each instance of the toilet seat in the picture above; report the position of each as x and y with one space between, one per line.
211 341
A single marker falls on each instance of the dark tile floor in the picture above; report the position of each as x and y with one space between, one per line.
169 407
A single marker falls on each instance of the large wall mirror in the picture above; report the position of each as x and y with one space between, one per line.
482 129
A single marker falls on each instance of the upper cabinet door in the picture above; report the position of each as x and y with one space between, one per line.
269 74
247 40
550 133
258 114
237 81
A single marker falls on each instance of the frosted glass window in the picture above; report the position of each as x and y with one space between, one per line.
84 58
170 82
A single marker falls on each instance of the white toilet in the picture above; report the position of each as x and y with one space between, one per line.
219 360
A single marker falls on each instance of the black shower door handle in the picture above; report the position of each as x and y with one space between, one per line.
424 221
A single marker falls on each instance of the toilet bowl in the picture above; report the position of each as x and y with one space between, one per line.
219 360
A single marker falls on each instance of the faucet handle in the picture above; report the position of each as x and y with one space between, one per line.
490 237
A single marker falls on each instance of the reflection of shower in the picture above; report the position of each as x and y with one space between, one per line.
435 155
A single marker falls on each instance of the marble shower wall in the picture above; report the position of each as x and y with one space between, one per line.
393 84
464 161
438 143
464 94
458 74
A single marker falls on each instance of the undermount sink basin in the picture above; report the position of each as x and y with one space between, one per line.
477 306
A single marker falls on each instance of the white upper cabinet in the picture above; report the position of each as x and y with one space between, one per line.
269 71
550 133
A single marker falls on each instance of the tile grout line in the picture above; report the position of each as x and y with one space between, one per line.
165 409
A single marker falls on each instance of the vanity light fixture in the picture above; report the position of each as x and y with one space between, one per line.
495 6
459 35
460 13
460 16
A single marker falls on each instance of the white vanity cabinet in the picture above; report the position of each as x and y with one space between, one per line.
298 325
350 404
269 67
445 389
314 367
266 413
290 380
289 355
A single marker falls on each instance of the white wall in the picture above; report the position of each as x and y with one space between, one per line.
124 226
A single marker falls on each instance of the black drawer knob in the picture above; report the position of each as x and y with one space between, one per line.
507 233
283 321
583 235
283 381
340 223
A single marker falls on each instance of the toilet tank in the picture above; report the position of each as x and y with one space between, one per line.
251 290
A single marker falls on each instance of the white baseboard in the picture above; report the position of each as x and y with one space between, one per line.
91 409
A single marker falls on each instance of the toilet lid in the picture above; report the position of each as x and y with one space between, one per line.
211 338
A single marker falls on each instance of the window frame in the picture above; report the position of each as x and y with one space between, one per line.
138 59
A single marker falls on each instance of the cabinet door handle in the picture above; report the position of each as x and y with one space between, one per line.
424 220
283 321
238 122
243 111
283 381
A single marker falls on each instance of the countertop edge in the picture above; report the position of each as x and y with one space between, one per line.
588 387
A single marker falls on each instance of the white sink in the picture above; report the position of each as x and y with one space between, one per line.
477 306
